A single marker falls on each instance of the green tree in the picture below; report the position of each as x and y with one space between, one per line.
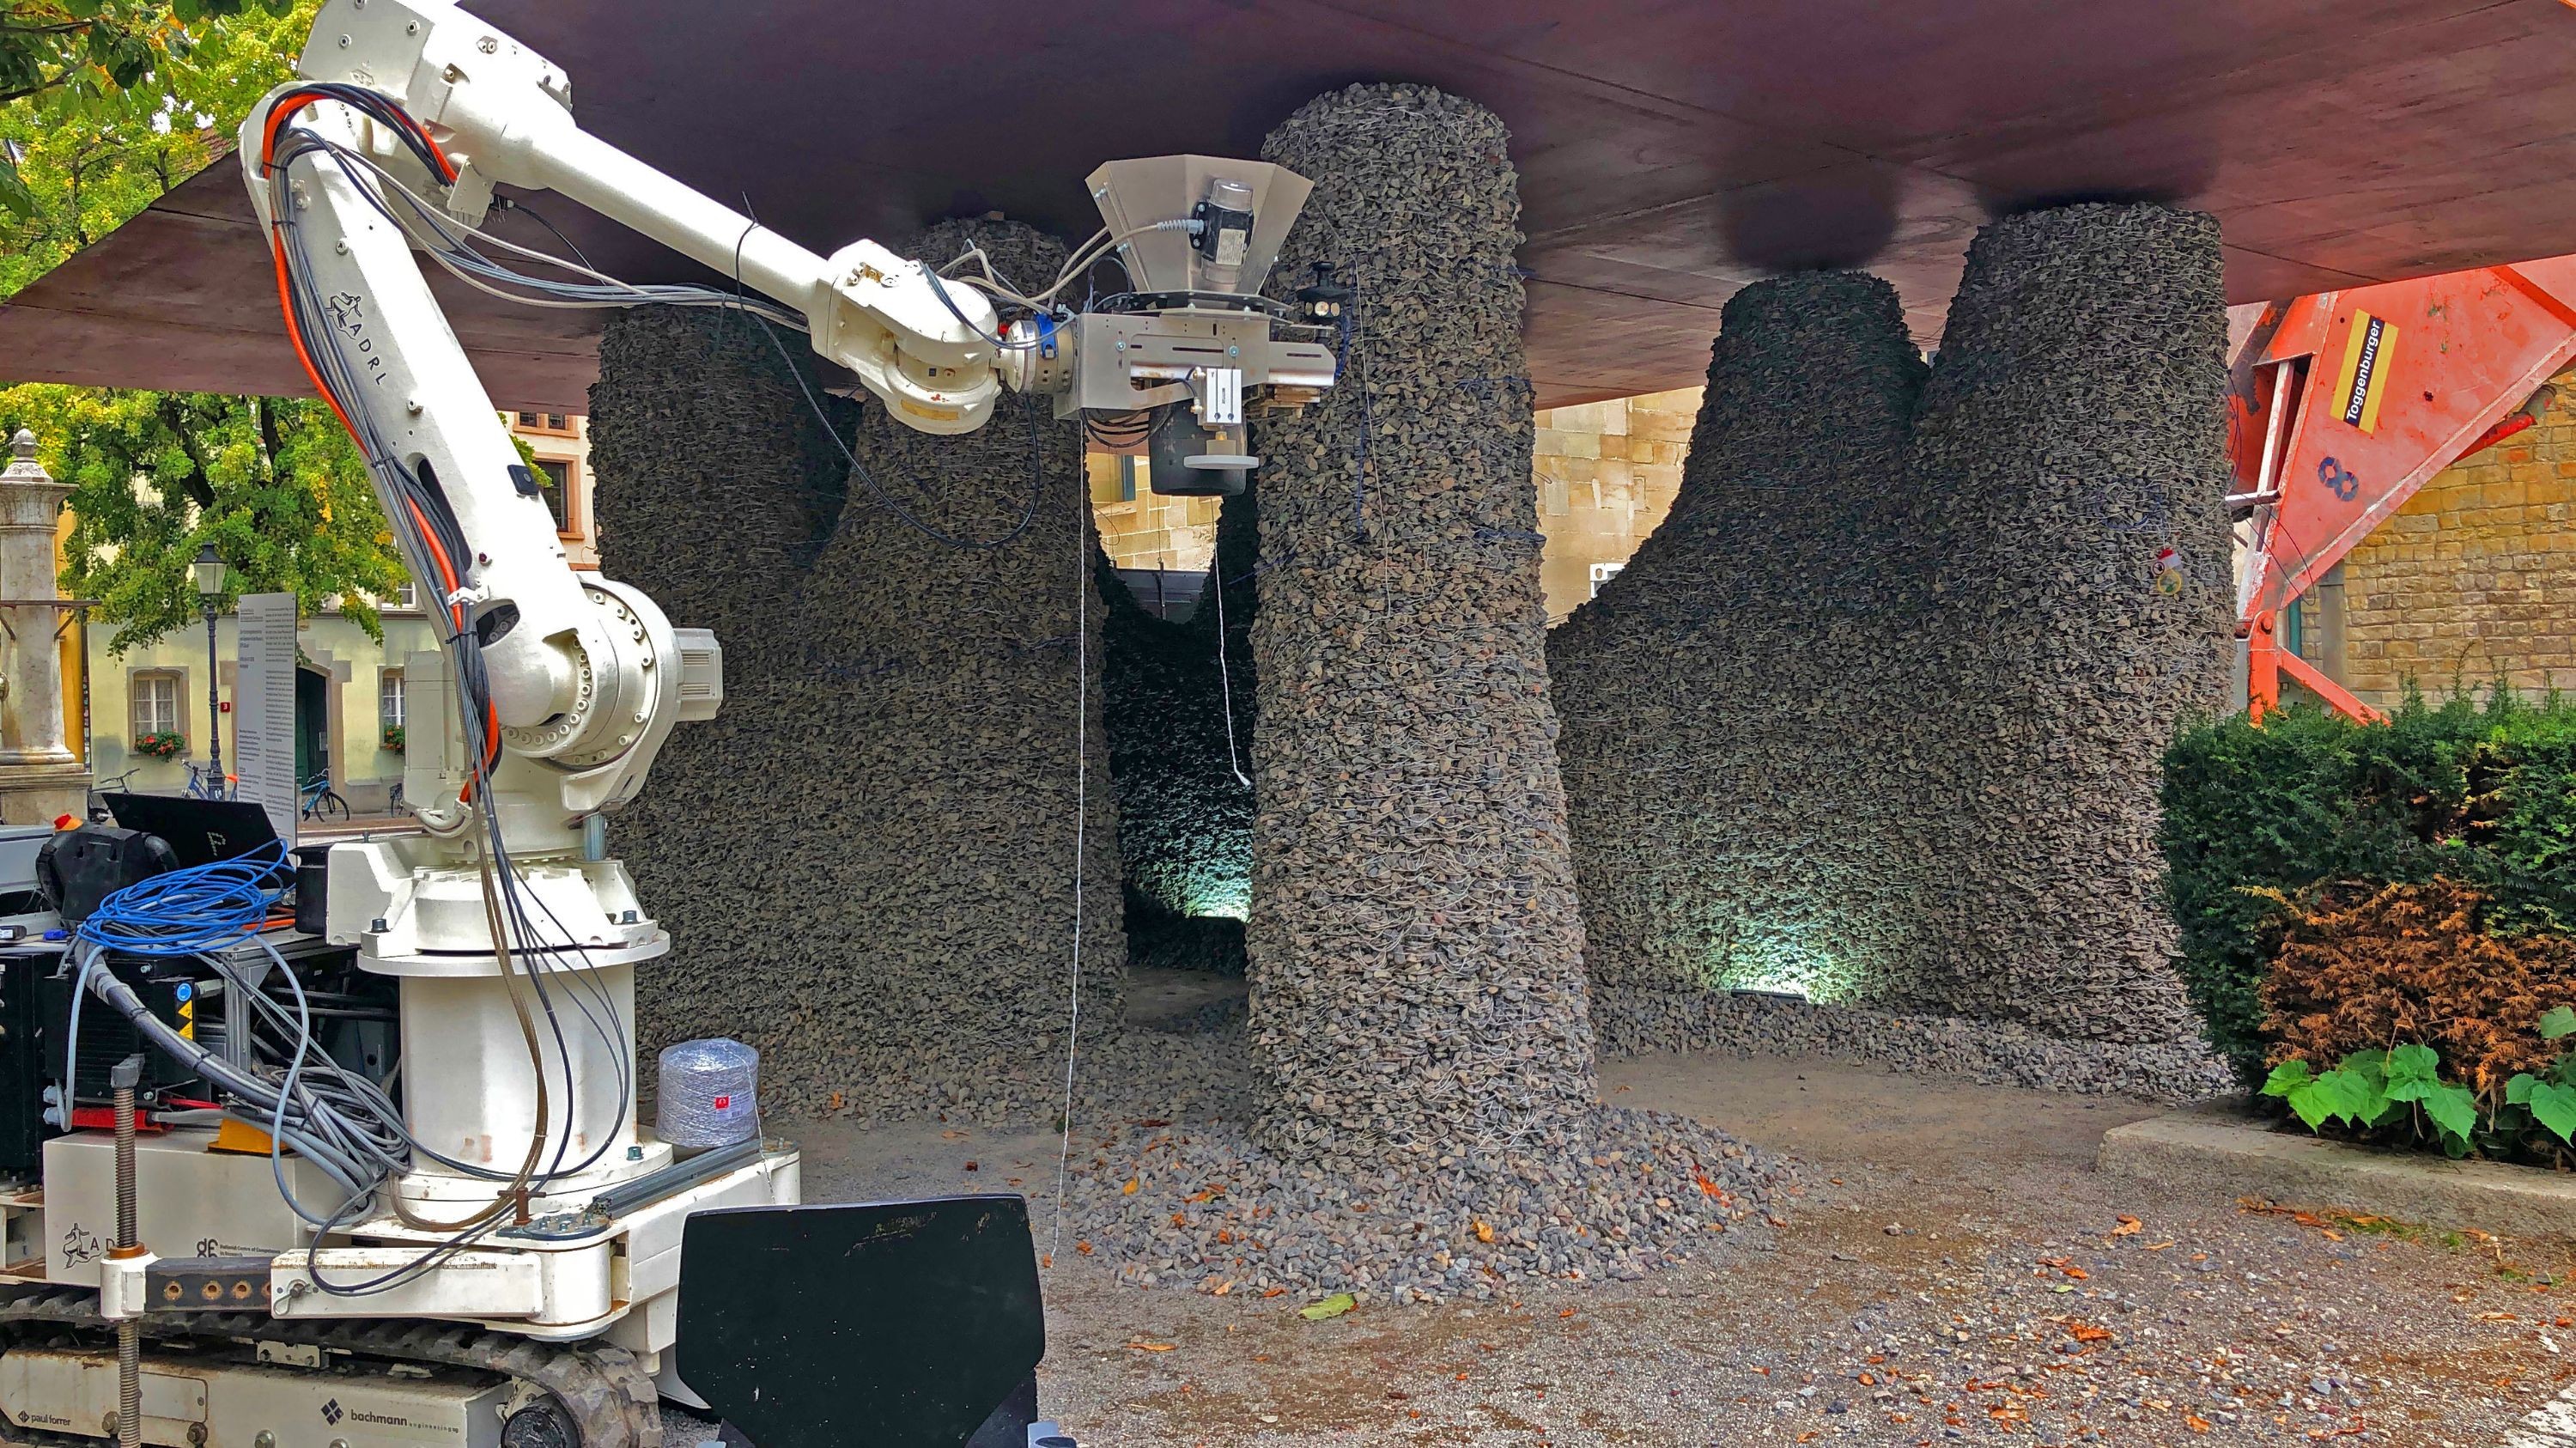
273 483
105 61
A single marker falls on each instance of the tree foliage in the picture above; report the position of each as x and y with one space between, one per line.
115 64
116 103
273 483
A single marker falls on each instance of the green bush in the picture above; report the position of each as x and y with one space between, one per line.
2481 792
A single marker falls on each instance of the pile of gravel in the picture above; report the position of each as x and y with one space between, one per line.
2074 426
1157 939
887 909
1184 783
1637 1020
1738 814
1186 1198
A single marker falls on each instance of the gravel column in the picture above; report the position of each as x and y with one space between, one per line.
867 858
1732 790
2073 429
954 664
716 487
1416 956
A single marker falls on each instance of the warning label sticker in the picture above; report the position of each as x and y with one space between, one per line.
2367 354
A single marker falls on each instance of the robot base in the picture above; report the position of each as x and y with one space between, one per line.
530 1301
241 1381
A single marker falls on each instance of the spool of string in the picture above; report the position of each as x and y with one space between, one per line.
708 1094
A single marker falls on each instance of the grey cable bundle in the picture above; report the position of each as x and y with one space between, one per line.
709 1093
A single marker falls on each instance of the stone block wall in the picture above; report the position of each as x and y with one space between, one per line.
1417 982
2474 579
1607 473
888 912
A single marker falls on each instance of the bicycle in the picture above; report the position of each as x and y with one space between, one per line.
319 800
120 784
206 783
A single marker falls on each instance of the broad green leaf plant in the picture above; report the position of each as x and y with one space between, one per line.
2400 1092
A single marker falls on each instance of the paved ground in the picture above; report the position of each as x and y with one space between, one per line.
1957 1272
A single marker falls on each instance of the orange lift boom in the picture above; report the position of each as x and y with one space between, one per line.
2343 403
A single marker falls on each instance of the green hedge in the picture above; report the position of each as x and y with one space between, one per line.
2483 792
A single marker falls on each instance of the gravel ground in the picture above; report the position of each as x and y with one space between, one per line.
1948 1258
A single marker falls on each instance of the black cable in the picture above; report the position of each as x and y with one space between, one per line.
533 214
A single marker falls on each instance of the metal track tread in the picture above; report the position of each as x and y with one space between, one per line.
604 1390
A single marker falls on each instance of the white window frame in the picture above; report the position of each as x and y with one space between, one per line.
138 685
389 700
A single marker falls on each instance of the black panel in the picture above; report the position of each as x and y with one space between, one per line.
22 1065
894 1324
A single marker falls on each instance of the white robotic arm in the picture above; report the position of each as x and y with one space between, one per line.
565 685
502 114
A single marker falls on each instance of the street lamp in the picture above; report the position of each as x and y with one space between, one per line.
209 573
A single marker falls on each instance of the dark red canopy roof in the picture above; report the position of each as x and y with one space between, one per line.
1670 150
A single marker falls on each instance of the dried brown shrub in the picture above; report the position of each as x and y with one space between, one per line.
2415 963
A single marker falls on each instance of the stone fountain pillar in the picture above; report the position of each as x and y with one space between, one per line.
40 778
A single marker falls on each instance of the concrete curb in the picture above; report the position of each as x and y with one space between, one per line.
2219 1147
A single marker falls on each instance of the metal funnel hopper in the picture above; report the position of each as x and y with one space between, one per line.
1139 193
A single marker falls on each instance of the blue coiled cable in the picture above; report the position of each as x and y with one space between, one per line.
181 912
193 910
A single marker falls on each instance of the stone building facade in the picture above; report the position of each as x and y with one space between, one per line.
2473 581
1606 475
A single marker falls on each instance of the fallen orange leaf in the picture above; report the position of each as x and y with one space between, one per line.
1484 1232
1129 1190
2195 1422
2129 1226
1154 1346
2087 1332
1274 1292
1569 1312
1083 1247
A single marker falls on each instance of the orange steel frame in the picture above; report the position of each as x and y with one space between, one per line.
2331 432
